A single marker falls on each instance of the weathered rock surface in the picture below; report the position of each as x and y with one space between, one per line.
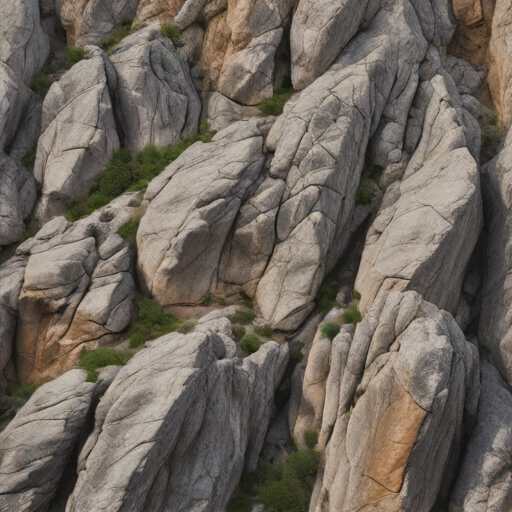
319 144
193 205
220 111
184 449
77 291
78 137
484 482
163 11
91 21
156 101
397 420
500 62
430 221
36 446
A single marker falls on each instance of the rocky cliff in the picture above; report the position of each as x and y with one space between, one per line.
255 256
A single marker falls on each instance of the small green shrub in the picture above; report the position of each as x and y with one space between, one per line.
365 193
311 438
117 35
238 331
274 106
150 321
304 463
118 175
250 343
74 55
297 354
29 160
21 391
91 361
128 231
171 32
356 295
187 326
326 298
265 331
240 503
243 317
352 315
492 138
41 82
330 330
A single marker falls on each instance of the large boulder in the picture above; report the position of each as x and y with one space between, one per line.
484 482
163 11
156 101
429 222
77 291
397 401
185 448
36 446
78 137
320 143
192 208
91 21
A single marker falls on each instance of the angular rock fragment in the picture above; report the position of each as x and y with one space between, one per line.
185 448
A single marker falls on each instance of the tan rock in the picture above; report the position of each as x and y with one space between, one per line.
162 10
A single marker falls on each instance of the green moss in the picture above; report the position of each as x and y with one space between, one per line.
128 231
238 331
365 193
21 391
41 82
274 106
29 160
352 315
330 330
250 343
74 55
117 35
265 331
91 361
150 321
171 32
311 438
243 317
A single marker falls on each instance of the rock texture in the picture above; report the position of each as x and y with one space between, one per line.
193 205
183 449
408 381
156 101
431 220
37 444
79 135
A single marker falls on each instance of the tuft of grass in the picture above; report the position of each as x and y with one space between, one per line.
326 297
356 295
74 55
41 82
238 331
250 343
330 330
29 160
297 354
274 106
243 317
352 315
117 35
128 230
22 391
492 138
171 32
150 321
365 193
311 438
187 326
265 331
91 361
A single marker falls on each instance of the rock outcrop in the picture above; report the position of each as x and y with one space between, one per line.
185 448
36 446
156 101
79 134
396 409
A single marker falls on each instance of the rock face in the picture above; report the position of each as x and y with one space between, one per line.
193 205
156 100
201 433
162 10
319 144
408 380
500 60
36 446
91 21
484 482
77 291
431 220
78 137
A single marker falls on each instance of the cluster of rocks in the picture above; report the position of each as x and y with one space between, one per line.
413 405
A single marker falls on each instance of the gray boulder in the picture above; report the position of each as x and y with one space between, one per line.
78 137
156 101
36 446
184 449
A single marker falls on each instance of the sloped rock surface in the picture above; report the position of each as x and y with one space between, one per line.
409 379
484 482
36 446
79 135
183 449
431 221
161 10
156 101
319 144
193 205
